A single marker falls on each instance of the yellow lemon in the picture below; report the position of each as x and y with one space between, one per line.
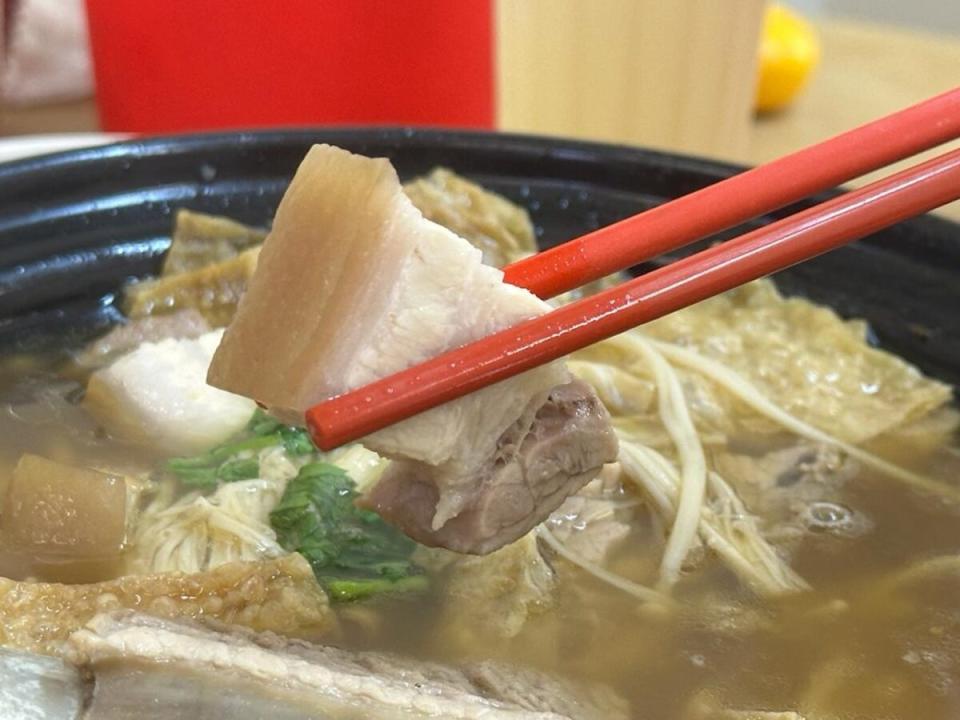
789 51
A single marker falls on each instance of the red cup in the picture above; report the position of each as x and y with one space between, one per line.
197 64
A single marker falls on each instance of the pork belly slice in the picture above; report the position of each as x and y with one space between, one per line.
536 467
353 284
37 687
146 667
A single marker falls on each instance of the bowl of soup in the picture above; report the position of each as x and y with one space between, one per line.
751 506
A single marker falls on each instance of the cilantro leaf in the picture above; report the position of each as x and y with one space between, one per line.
232 461
353 552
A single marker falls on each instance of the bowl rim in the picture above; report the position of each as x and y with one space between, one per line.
54 186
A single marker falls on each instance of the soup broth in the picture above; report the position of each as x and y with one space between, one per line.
877 638
821 584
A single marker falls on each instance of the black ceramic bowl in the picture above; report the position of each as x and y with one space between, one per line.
75 225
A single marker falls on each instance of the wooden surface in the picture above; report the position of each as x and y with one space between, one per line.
867 71
677 75
75 116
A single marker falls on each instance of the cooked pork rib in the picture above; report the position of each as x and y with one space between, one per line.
145 665
535 468
353 284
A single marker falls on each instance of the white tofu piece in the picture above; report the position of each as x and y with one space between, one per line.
158 395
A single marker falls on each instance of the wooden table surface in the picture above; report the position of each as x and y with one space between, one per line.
866 71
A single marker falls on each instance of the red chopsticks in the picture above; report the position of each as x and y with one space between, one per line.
809 233
350 416
740 198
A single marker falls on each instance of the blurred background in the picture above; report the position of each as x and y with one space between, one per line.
738 80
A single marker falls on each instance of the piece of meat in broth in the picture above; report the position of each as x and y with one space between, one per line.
353 284
536 465
150 668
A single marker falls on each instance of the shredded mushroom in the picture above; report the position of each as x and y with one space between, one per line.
742 389
693 464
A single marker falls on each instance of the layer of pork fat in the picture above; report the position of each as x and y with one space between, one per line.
38 687
191 665
353 283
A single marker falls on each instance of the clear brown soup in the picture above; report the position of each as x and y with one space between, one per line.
879 637
824 582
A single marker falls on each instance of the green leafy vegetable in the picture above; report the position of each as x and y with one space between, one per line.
353 552
263 424
350 589
235 459
241 469
296 441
